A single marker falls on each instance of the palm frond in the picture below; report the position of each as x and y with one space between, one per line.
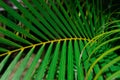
59 39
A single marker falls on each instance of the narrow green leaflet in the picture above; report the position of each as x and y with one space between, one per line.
68 19
84 55
106 66
32 18
102 44
3 49
62 70
114 75
53 64
70 71
99 58
13 36
23 20
4 62
48 18
23 64
77 21
80 75
90 16
61 17
41 18
43 66
33 64
17 28
5 76
73 26
86 27
9 43
50 12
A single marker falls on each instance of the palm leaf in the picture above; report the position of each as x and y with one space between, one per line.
59 39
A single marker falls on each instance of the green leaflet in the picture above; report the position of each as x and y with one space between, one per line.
53 64
61 26
33 64
48 18
70 62
23 65
8 42
23 20
114 76
32 18
3 50
16 28
80 75
106 66
5 76
41 19
99 58
61 17
13 36
4 62
43 66
62 63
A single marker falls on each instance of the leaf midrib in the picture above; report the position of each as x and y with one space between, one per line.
42 43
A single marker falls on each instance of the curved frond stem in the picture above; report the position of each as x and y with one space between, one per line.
43 43
97 37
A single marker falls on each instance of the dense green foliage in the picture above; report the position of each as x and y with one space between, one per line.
60 40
